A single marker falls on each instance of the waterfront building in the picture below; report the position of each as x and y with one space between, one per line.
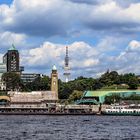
32 99
11 59
2 70
54 80
97 97
35 99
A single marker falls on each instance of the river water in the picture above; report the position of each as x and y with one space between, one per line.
34 127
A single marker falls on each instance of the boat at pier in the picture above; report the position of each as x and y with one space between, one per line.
132 110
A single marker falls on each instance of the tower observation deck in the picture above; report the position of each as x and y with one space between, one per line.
66 66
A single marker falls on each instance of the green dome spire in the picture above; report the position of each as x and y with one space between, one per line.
12 48
54 67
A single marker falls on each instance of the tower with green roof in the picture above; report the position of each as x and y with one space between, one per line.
11 59
54 80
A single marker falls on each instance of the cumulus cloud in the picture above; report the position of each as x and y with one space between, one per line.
85 59
103 24
9 38
81 55
134 45
86 1
52 18
112 17
129 60
37 18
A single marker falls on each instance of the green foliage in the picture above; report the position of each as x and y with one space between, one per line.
40 83
76 95
114 98
12 80
3 93
133 83
109 80
65 89
132 97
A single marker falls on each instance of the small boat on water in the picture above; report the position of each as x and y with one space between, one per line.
131 110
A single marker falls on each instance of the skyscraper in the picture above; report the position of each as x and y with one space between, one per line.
11 59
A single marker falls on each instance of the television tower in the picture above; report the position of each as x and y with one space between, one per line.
66 66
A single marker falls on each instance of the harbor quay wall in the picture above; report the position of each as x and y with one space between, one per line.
93 108
96 108
52 109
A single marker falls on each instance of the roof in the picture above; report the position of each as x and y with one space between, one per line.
5 98
54 67
104 93
86 102
12 48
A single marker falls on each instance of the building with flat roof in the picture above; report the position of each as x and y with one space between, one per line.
29 77
32 99
97 97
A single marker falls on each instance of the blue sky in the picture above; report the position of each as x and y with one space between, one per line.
101 35
5 2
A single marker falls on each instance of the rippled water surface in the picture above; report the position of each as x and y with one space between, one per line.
69 128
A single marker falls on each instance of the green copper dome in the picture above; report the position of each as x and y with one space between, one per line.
12 48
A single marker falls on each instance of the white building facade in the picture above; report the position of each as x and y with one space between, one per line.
2 70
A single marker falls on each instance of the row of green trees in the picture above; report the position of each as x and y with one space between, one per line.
14 82
109 80
116 98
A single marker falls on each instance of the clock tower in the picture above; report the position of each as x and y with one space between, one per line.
54 80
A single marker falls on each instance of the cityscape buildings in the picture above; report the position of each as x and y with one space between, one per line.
11 63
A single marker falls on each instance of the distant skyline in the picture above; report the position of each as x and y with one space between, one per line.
100 34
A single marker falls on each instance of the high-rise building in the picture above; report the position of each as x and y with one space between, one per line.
11 59
54 80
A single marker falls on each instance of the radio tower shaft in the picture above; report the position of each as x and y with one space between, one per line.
66 66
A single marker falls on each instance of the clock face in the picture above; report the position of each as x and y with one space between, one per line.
54 83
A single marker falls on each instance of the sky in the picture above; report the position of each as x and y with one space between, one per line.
100 34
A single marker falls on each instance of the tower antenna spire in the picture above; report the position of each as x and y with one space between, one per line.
66 66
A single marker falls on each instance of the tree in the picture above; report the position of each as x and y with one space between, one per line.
12 80
76 95
114 98
109 78
45 83
40 83
133 83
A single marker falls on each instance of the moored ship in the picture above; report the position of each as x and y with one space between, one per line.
132 110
